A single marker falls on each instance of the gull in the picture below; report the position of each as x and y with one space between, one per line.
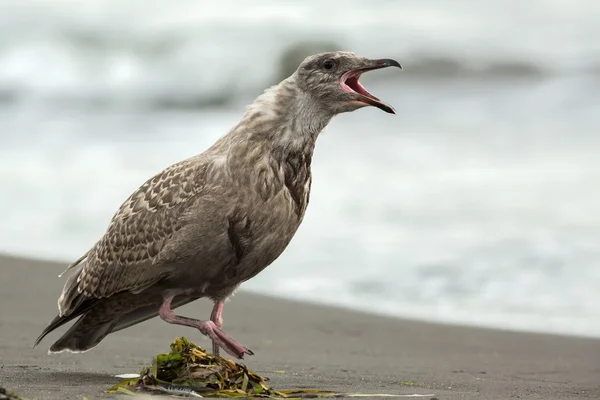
203 226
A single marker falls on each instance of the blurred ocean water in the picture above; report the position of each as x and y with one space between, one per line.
478 203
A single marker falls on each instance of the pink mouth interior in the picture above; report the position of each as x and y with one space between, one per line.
349 82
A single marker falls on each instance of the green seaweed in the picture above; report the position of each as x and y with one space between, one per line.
188 370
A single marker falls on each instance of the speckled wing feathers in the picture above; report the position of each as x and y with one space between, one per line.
125 257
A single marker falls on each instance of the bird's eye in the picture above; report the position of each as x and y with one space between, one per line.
329 64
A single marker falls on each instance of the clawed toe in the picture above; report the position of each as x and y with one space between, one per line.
237 350
224 341
234 348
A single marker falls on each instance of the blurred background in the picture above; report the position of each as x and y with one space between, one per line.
479 203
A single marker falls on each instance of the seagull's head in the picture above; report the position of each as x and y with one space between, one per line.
331 81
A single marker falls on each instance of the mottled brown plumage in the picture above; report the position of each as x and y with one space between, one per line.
204 225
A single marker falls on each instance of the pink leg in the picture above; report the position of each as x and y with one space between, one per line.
217 317
208 328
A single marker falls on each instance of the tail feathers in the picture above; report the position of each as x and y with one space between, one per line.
60 320
97 320
99 317
95 325
84 335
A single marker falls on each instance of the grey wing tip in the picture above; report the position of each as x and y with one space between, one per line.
55 323
45 332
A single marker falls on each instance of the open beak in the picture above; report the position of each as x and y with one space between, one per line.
349 83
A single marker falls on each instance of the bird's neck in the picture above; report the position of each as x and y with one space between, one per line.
274 142
284 117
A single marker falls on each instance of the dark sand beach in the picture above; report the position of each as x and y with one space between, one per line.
297 345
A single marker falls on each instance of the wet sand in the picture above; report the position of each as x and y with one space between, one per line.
297 345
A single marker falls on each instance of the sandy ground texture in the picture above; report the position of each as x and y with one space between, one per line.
297 345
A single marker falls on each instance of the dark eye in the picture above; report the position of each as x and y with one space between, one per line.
328 64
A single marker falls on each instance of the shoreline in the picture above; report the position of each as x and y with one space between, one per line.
318 346
342 307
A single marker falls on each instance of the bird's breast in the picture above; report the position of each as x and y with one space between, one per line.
269 214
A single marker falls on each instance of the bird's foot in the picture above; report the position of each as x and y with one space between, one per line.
223 340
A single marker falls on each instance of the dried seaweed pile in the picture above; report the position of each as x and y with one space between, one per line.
189 370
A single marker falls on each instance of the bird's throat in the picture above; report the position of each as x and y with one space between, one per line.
286 117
